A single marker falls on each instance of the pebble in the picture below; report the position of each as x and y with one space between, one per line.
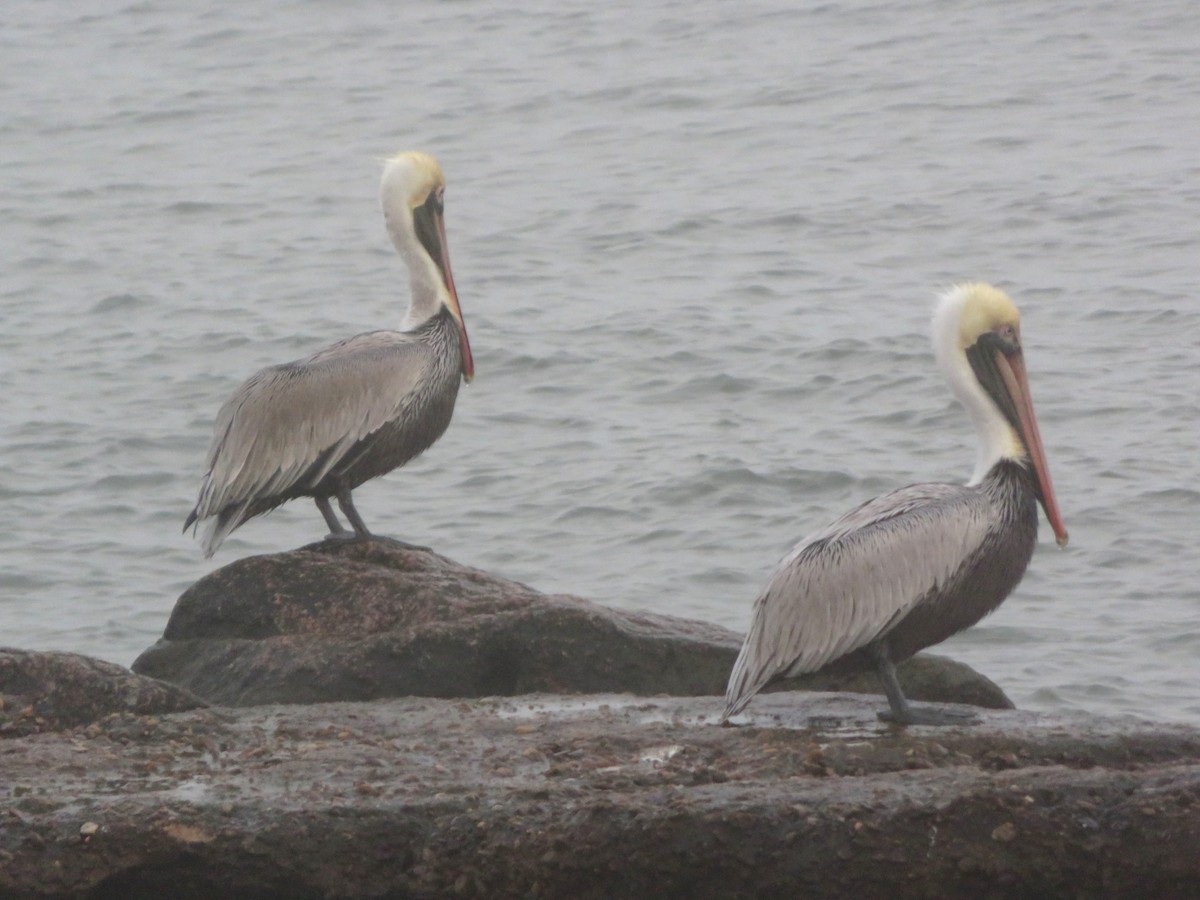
1004 833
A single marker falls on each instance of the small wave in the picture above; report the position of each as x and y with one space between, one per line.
125 482
20 582
118 303
195 207
839 349
592 513
707 385
1187 496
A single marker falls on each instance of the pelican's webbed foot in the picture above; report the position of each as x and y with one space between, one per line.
902 712
337 532
929 715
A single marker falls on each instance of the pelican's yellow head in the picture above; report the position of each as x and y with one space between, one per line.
411 177
984 309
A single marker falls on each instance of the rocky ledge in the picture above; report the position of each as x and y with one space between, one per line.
598 797
363 620
52 691
118 785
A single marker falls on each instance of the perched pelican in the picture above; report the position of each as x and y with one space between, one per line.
321 426
911 568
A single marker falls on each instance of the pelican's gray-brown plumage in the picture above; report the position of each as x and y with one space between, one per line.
913 567
321 426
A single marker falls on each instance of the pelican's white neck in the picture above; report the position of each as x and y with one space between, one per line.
400 192
997 438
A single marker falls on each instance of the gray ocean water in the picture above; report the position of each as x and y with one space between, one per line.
697 246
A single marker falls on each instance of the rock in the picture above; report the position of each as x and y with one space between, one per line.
926 676
361 620
53 691
601 796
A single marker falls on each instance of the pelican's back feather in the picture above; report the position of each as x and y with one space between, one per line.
845 586
289 425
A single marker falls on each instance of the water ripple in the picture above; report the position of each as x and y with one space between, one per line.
698 281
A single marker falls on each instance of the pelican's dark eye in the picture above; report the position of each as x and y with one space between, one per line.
1008 337
434 200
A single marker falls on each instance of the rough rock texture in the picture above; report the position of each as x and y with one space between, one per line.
51 691
598 797
362 620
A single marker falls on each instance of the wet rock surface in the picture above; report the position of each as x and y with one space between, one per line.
51 691
532 768
598 796
361 620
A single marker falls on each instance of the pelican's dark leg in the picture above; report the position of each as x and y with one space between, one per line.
902 712
336 531
360 528
346 505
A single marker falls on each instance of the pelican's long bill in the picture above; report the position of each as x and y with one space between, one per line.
455 309
430 227
1011 366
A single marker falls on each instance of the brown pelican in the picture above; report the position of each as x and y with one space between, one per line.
321 426
911 568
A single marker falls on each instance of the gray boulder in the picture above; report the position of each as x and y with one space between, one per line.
364 620
53 691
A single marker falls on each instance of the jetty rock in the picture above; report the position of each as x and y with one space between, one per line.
598 796
554 763
43 691
361 620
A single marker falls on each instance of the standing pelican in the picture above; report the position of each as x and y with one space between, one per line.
911 568
321 426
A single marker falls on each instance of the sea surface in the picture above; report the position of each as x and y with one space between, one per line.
697 246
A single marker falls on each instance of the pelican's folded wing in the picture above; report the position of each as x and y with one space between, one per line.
288 425
841 588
